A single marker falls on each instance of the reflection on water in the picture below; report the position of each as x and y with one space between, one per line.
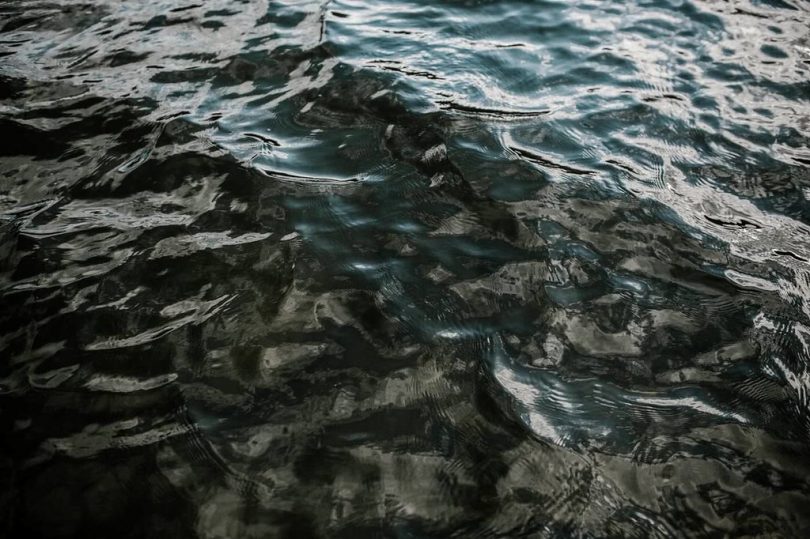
362 269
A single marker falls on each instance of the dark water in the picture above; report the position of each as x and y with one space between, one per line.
405 269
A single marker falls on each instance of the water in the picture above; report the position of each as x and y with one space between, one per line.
405 269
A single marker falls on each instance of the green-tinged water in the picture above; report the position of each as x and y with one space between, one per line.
404 269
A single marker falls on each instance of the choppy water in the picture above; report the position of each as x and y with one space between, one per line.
404 269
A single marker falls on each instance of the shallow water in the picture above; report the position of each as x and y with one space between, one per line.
404 269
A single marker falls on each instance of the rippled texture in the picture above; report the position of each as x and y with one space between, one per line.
404 269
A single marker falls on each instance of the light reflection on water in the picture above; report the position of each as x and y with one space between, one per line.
367 270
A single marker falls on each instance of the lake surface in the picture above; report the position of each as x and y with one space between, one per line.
404 269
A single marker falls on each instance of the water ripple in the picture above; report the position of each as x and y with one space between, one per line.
341 268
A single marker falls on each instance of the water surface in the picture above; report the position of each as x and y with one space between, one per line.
404 269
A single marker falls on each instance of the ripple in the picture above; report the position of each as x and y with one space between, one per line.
325 269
